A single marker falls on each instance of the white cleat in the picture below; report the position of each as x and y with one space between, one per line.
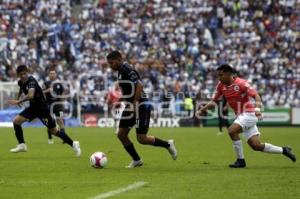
50 141
19 148
172 149
220 133
76 148
135 163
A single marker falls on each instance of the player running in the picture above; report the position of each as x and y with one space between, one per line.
53 90
38 108
238 93
137 111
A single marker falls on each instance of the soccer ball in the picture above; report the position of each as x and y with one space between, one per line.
98 160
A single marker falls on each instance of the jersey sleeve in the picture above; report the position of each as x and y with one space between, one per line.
251 92
133 76
32 84
218 93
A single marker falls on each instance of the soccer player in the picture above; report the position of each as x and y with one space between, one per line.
238 93
38 108
53 90
222 115
137 111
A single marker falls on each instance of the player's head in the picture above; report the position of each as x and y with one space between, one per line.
22 72
52 74
115 60
225 74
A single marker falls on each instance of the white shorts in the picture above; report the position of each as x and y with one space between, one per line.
248 122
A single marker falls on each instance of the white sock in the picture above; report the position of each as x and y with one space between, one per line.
269 148
238 148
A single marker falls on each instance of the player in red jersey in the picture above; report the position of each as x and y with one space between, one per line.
238 94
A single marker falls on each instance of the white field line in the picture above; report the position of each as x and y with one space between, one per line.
120 190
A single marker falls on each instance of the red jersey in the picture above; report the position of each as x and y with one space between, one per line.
237 95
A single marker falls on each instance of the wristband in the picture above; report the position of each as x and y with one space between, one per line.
257 109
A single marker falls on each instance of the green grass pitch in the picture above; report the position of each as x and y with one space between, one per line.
201 171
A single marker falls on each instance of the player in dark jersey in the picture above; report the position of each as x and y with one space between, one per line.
38 108
222 115
137 111
53 90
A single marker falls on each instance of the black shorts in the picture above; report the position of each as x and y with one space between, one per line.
142 120
42 113
56 109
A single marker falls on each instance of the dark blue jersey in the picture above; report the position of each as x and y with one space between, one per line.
38 99
127 78
57 90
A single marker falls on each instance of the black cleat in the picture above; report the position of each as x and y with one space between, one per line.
239 163
287 151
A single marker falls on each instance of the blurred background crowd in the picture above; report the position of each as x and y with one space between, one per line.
176 45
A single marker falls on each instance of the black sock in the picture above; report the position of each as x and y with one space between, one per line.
19 133
132 152
49 135
63 130
64 137
161 143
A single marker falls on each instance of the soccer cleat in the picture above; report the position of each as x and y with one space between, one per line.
287 151
50 141
19 148
172 149
239 163
220 133
76 148
135 163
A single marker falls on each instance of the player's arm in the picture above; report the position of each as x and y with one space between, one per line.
210 105
258 105
213 103
258 102
137 93
27 97
19 94
45 89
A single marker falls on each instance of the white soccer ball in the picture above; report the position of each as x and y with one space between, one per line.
98 160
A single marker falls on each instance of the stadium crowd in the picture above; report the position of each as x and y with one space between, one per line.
176 45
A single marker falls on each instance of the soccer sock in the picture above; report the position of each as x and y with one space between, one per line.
64 137
49 135
19 133
269 148
161 143
238 148
132 152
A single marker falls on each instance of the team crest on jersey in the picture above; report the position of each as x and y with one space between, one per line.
236 88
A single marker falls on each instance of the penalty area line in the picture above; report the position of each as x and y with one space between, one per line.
120 190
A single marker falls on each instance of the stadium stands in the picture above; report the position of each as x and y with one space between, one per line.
176 45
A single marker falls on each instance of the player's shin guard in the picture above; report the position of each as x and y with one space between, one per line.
160 143
132 152
19 133
238 148
64 137
269 148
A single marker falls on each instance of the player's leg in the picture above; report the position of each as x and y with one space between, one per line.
256 145
220 122
127 121
143 122
129 147
49 121
17 122
234 130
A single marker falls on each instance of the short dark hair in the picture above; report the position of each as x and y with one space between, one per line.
226 68
114 55
51 69
22 68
